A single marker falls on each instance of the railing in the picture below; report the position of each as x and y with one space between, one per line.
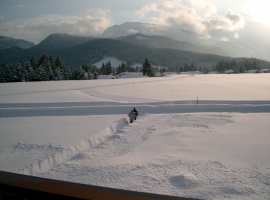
18 186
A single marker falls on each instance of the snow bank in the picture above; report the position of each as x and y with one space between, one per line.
192 72
66 154
253 71
169 73
213 72
131 75
106 77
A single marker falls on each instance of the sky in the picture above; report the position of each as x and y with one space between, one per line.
245 21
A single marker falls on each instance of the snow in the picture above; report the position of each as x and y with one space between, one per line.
131 75
213 72
139 37
78 131
114 62
253 71
264 71
137 65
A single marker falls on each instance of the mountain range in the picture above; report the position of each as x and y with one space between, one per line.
194 43
117 41
77 50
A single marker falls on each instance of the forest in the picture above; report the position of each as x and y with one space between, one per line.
46 68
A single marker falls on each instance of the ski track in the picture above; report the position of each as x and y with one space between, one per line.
116 161
94 87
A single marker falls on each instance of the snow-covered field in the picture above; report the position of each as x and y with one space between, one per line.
77 131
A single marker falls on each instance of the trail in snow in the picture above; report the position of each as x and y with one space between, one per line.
65 154
91 85
179 154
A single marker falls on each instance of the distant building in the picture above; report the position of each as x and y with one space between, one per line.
253 71
230 71
192 72
195 72
264 71
213 72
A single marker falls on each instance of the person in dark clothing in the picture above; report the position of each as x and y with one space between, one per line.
132 116
136 113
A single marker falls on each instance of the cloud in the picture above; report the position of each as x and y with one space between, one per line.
225 39
230 21
191 16
132 31
236 36
36 29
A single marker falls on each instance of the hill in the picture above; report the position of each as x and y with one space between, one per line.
7 42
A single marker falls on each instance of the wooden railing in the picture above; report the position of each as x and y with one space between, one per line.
18 186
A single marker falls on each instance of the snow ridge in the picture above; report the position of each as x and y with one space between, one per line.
66 154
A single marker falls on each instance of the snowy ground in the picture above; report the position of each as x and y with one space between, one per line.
114 62
77 131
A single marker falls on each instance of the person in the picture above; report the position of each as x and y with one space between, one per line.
136 113
132 116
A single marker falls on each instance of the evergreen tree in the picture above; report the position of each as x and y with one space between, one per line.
51 62
19 74
2 74
58 63
28 71
33 61
123 67
148 69
118 71
102 69
108 68
42 59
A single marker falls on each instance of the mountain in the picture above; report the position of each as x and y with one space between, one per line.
7 42
76 50
58 43
168 43
61 41
55 44
183 40
129 28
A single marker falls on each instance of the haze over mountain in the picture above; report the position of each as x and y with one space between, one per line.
168 43
188 40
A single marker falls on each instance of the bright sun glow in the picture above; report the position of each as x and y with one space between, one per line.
259 10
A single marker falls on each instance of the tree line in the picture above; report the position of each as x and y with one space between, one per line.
238 67
45 68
